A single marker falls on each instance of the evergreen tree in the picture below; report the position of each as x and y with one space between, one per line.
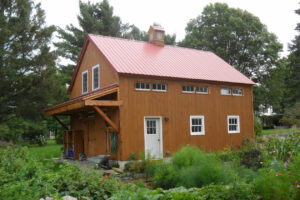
27 67
241 40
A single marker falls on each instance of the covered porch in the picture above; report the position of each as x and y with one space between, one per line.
94 123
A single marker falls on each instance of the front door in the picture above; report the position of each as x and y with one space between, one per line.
153 137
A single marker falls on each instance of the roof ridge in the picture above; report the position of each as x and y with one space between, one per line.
140 41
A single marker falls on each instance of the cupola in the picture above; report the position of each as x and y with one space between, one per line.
156 35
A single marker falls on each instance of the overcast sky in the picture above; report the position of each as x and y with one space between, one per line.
173 15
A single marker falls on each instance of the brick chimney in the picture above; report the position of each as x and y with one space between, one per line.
156 35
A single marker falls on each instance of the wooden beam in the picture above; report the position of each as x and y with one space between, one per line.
104 116
60 122
102 103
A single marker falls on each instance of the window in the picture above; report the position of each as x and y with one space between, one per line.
159 36
96 75
84 82
202 90
151 36
188 88
233 122
159 87
151 126
142 86
197 125
237 92
226 91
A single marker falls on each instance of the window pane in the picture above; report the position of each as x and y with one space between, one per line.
147 86
225 91
237 91
154 86
163 87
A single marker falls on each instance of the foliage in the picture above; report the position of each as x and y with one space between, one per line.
292 115
244 42
24 176
211 192
191 167
29 82
257 127
270 121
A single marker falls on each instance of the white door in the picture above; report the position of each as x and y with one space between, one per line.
153 137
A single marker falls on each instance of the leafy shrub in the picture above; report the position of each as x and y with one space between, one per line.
24 176
257 127
191 167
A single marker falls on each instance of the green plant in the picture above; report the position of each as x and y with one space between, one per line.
257 127
191 167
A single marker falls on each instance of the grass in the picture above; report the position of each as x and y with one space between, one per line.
275 131
50 150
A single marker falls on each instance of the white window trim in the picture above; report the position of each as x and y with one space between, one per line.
201 92
203 125
87 85
140 89
237 94
226 94
96 66
156 90
238 123
189 92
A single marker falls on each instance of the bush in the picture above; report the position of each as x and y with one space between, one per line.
257 127
24 176
191 167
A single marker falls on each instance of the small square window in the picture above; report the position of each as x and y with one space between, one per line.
142 86
159 87
226 91
237 92
197 125
202 90
233 123
188 89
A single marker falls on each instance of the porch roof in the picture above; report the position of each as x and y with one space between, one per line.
86 100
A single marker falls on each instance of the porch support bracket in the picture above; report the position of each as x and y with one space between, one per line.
104 116
60 122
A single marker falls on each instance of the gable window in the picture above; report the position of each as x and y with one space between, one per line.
96 79
159 36
142 86
202 90
226 91
233 123
237 92
197 125
159 87
151 36
188 88
84 82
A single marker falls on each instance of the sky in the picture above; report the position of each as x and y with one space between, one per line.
278 15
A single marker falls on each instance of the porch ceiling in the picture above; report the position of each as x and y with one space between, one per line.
84 103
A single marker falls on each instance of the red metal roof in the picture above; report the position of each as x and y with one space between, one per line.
143 58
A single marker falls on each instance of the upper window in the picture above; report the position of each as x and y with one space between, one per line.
84 82
197 125
188 88
226 91
151 36
202 90
96 75
142 86
159 87
159 35
237 92
233 122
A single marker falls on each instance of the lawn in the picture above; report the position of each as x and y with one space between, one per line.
275 131
50 150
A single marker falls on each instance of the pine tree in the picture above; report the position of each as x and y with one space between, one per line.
27 65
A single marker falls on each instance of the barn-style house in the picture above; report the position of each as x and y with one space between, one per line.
131 96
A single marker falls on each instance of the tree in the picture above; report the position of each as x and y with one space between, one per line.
27 67
241 40
95 18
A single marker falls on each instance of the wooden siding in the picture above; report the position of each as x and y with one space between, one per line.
91 58
94 128
178 107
